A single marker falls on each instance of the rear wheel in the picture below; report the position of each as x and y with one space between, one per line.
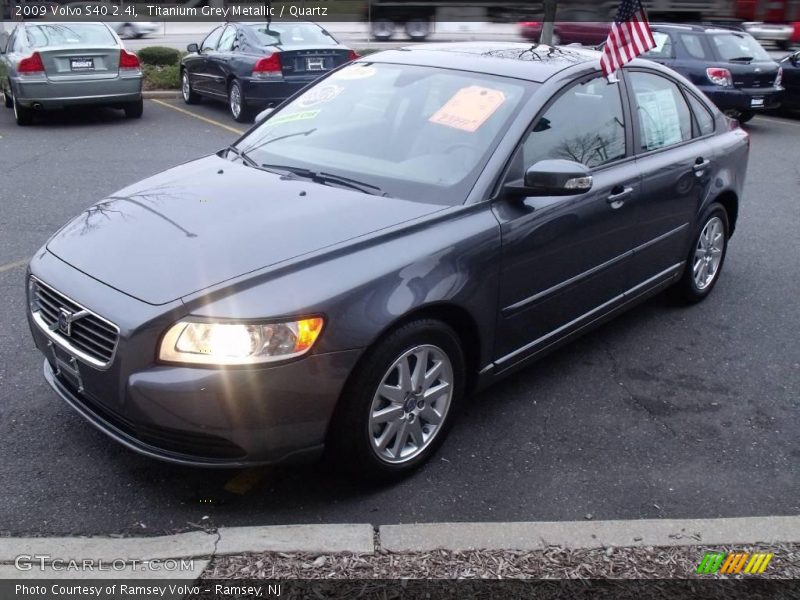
706 257
134 110
23 115
400 402
418 29
236 103
189 95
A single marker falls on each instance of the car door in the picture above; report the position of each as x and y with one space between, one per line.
791 80
218 62
198 66
564 257
676 163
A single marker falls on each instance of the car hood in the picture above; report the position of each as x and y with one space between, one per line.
210 220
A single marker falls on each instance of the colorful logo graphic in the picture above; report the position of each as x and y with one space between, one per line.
732 563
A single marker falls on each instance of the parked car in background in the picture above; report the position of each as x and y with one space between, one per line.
254 65
47 66
779 34
728 65
791 81
413 226
135 29
573 27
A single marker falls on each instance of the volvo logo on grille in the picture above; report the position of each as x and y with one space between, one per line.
65 320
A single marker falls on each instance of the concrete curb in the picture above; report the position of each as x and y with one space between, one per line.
228 540
419 537
588 534
161 94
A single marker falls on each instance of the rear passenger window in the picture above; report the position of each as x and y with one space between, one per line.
704 118
585 124
693 45
664 117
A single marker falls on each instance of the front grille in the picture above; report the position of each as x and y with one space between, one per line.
91 335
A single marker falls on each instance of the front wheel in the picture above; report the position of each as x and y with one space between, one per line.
400 402
189 95
706 257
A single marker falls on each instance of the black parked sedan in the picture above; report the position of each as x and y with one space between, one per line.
728 65
791 81
413 227
255 65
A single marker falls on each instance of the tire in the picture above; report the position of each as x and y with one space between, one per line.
236 98
23 116
127 31
134 110
418 29
382 30
356 435
745 116
784 44
693 285
189 95
7 100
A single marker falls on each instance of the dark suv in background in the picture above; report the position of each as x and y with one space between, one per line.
728 65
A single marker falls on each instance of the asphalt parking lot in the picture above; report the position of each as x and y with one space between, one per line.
665 412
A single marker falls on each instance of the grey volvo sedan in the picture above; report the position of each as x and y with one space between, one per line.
52 65
413 227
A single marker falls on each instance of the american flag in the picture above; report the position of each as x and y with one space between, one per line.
629 37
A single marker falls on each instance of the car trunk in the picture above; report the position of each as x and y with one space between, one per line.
69 62
310 62
756 74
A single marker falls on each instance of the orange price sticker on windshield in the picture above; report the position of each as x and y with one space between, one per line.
469 108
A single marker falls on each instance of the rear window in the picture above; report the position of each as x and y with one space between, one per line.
291 34
69 34
733 46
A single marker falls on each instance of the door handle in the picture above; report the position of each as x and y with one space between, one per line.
616 200
700 164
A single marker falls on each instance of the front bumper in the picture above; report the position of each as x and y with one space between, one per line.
212 417
52 93
742 99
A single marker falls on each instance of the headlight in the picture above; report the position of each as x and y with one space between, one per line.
238 343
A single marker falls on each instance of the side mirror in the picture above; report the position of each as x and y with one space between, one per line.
553 177
193 48
263 114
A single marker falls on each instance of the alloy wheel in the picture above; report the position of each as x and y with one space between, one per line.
410 405
708 253
236 101
185 87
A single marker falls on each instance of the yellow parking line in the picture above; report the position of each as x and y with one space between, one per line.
196 116
779 120
14 265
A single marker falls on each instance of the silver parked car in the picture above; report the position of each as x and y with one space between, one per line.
47 66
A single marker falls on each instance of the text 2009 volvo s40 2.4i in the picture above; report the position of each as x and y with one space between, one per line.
412 227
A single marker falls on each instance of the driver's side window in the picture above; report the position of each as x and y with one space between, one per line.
210 43
585 124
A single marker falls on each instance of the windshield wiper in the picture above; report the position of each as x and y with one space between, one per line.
326 178
242 155
741 59
282 137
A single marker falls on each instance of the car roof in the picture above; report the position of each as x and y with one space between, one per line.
534 62
699 27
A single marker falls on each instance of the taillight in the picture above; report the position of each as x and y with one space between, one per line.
268 67
719 76
353 55
31 64
128 60
530 23
779 77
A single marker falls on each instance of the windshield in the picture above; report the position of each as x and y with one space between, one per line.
291 34
412 132
738 46
67 34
